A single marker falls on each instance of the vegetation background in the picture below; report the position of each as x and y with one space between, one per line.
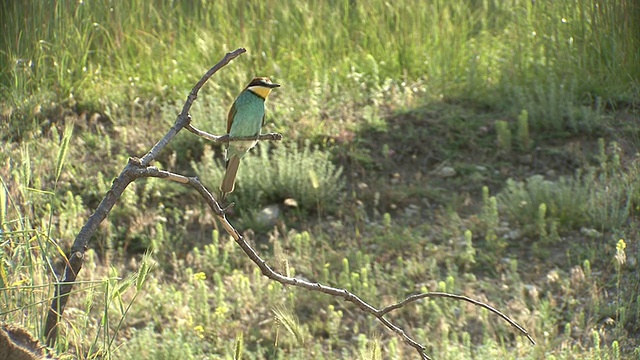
486 148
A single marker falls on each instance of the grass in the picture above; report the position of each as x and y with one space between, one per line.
90 55
538 217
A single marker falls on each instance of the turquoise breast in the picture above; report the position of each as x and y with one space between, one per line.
247 122
249 114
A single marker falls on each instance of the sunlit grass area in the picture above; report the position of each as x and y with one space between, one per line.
483 148
551 58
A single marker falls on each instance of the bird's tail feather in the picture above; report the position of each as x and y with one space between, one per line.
229 180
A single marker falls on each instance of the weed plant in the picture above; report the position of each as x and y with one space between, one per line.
271 174
599 198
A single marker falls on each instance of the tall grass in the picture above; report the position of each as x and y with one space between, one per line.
90 52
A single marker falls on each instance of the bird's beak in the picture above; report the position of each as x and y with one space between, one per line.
273 85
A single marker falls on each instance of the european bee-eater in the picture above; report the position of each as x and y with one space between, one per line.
245 120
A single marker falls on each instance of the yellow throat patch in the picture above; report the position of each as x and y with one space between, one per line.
261 91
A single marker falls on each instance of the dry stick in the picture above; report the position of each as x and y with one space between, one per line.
335 292
416 297
76 256
225 138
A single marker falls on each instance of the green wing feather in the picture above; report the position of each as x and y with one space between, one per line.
232 114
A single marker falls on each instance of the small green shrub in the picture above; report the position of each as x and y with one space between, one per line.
504 136
489 215
467 256
275 173
524 140
552 107
565 199
601 198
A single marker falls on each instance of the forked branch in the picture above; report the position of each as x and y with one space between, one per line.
75 257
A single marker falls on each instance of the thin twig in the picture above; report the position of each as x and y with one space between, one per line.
417 297
225 138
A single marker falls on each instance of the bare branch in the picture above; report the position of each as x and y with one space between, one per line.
225 138
417 297
335 292
129 173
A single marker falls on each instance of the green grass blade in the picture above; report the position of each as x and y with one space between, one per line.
64 148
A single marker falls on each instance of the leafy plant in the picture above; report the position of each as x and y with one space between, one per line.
276 173
600 198
566 200
524 140
504 136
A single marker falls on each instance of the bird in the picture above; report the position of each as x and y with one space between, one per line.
245 120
